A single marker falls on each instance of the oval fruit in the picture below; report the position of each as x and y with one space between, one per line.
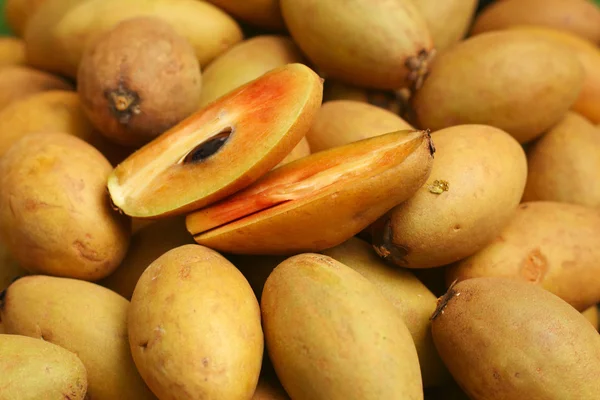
318 201
246 61
344 121
18 82
55 217
362 45
209 30
18 12
412 299
448 21
33 369
510 79
466 202
591 314
262 13
84 318
138 79
301 150
257 125
505 339
12 51
317 311
563 164
195 312
580 17
554 245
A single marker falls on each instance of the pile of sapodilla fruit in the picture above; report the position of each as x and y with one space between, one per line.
316 199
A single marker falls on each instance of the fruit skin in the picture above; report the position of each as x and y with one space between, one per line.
138 79
18 12
503 339
588 102
12 51
448 21
563 164
510 79
246 61
412 299
301 150
317 311
33 369
53 111
194 327
591 314
262 13
18 82
267 118
84 318
146 246
345 121
577 16
55 216
210 30
440 225
551 244
319 217
362 45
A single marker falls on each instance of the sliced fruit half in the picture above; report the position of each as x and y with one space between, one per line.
318 201
220 149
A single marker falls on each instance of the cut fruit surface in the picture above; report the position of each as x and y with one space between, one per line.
318 201
220 149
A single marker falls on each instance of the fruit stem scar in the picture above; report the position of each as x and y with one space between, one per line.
123 103
444 300
418 67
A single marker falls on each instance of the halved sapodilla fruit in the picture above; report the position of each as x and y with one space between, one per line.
319 201
220 149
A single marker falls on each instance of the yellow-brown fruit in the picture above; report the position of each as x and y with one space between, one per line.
262 13
563 164
18 12
209 30
318 311
554 245
474 188
448 21
509 79
363 44
18 82
194 327
504 340
146 246
84 318
244 62
55 215
345 121
591 314
580 17
33 369
301 150
12 51
138 79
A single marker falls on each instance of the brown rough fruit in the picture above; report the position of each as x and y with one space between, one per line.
138 79
319 312
363 44
18 12
475 186
504 340
55 216
194 327
53 111
84 318
412 299
563 164
146 246
344 121
577 16
588 102
18 82
12 51
262 13
245 62
448 21
208 29
591 314
554 245
511 80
